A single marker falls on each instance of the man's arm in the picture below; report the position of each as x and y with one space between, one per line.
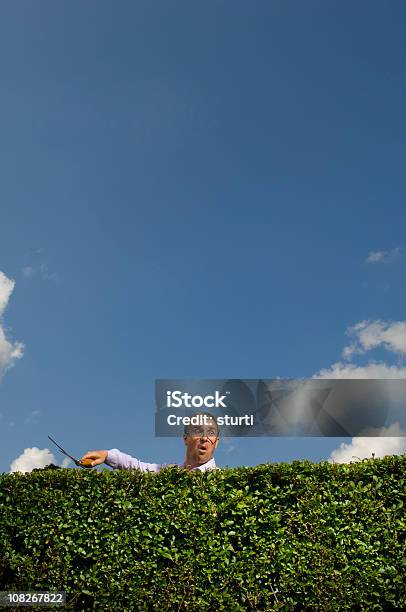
120 461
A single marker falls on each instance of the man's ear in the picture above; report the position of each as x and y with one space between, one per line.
184 439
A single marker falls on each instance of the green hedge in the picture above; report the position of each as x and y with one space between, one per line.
274 537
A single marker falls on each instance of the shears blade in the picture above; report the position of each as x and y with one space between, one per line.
76 461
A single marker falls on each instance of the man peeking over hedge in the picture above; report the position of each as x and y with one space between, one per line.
200 440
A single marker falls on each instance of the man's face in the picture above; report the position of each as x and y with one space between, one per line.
201 442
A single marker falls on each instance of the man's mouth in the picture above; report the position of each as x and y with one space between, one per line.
202 448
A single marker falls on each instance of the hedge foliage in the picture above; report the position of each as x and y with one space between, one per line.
273 537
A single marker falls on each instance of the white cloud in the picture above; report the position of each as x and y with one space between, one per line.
9 351
35 457
370 370
42 270
368 335
348 351
32 458
46 274
6 289
389 442
28 271
374 256
33 418
228 445
383 256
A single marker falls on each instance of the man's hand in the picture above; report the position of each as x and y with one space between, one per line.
96 457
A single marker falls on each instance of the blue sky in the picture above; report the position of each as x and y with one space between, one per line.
194 190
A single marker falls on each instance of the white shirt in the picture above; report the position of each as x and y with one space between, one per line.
121 461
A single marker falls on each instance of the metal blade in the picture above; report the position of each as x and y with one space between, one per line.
64 452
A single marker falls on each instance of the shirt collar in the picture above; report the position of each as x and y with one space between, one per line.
209 465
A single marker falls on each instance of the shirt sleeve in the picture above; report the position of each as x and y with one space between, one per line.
121 461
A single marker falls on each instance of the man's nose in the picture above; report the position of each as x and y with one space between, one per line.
206 438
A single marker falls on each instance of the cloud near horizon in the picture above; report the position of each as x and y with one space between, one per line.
34 457
390 443
369 335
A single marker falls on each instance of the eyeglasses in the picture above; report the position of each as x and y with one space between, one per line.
199 432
